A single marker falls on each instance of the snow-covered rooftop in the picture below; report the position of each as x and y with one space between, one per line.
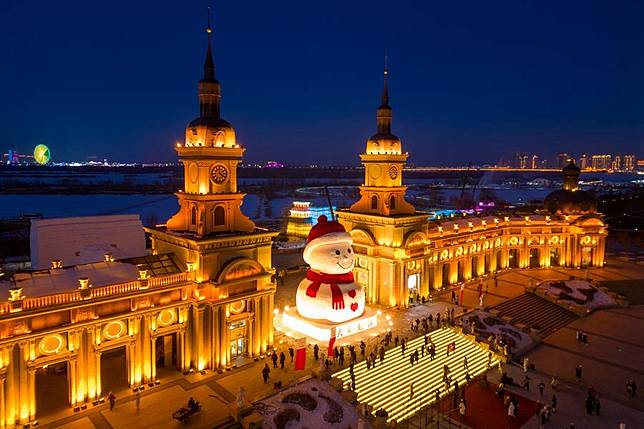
82 240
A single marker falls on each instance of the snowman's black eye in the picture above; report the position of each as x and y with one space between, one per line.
337 252
349 250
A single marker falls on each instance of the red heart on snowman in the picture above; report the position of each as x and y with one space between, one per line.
352 293
354 306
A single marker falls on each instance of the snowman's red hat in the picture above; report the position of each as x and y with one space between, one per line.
325 232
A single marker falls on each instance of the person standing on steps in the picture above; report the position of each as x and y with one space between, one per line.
265 373
578 372
112 399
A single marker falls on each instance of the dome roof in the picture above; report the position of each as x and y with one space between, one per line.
570 202
384 143
211 132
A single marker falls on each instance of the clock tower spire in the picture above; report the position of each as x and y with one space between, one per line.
210 202
383 192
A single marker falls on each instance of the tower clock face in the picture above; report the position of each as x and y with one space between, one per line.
219 174
393 172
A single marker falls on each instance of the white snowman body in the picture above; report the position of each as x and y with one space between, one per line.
331 258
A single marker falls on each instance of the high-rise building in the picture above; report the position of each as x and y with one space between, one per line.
601 162
583 161
616 164
630 163
535 162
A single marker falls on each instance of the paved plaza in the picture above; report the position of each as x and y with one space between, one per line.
611 357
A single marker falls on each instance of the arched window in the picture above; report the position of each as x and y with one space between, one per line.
374 202
392 202
193 215
220 216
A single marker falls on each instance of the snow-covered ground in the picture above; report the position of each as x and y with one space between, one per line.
576 292
311 404
486 324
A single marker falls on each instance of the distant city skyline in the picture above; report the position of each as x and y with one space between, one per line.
469 82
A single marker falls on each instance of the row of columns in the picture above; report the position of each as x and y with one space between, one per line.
387 279
210 333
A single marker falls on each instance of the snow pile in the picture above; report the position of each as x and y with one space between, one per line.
486 325
576 292
312 404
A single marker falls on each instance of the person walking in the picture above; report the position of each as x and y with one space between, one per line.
411 390
525 364
137 400
541 387
112 399
282 359
461 408
291 353
274 359
265 373
402 346
526 383
465 366
363 349
382 354
554 382
511 410
553 403
316 352
578 372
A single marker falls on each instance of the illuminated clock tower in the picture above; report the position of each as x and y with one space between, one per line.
225 254
210 201
383 191
389 235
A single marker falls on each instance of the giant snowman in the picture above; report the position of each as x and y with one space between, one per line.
328 292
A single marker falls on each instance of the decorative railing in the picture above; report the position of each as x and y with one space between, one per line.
68 297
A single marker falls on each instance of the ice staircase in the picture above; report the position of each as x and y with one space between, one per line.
536 313
387 385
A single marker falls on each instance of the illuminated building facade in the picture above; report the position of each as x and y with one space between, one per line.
202 298
301 218
400 253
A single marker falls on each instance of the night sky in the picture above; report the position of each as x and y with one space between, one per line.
301 81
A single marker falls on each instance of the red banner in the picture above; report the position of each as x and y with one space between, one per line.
300 354
330 351
300 359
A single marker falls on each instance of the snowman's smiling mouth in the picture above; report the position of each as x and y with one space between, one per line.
347 267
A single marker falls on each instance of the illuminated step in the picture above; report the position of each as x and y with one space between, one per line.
399 364
387 385
441 338
415 373
395 354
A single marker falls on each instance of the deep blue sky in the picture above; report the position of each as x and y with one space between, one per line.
470 80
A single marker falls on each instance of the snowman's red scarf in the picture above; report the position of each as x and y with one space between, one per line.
337 301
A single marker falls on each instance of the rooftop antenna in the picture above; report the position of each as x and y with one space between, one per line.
328 199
